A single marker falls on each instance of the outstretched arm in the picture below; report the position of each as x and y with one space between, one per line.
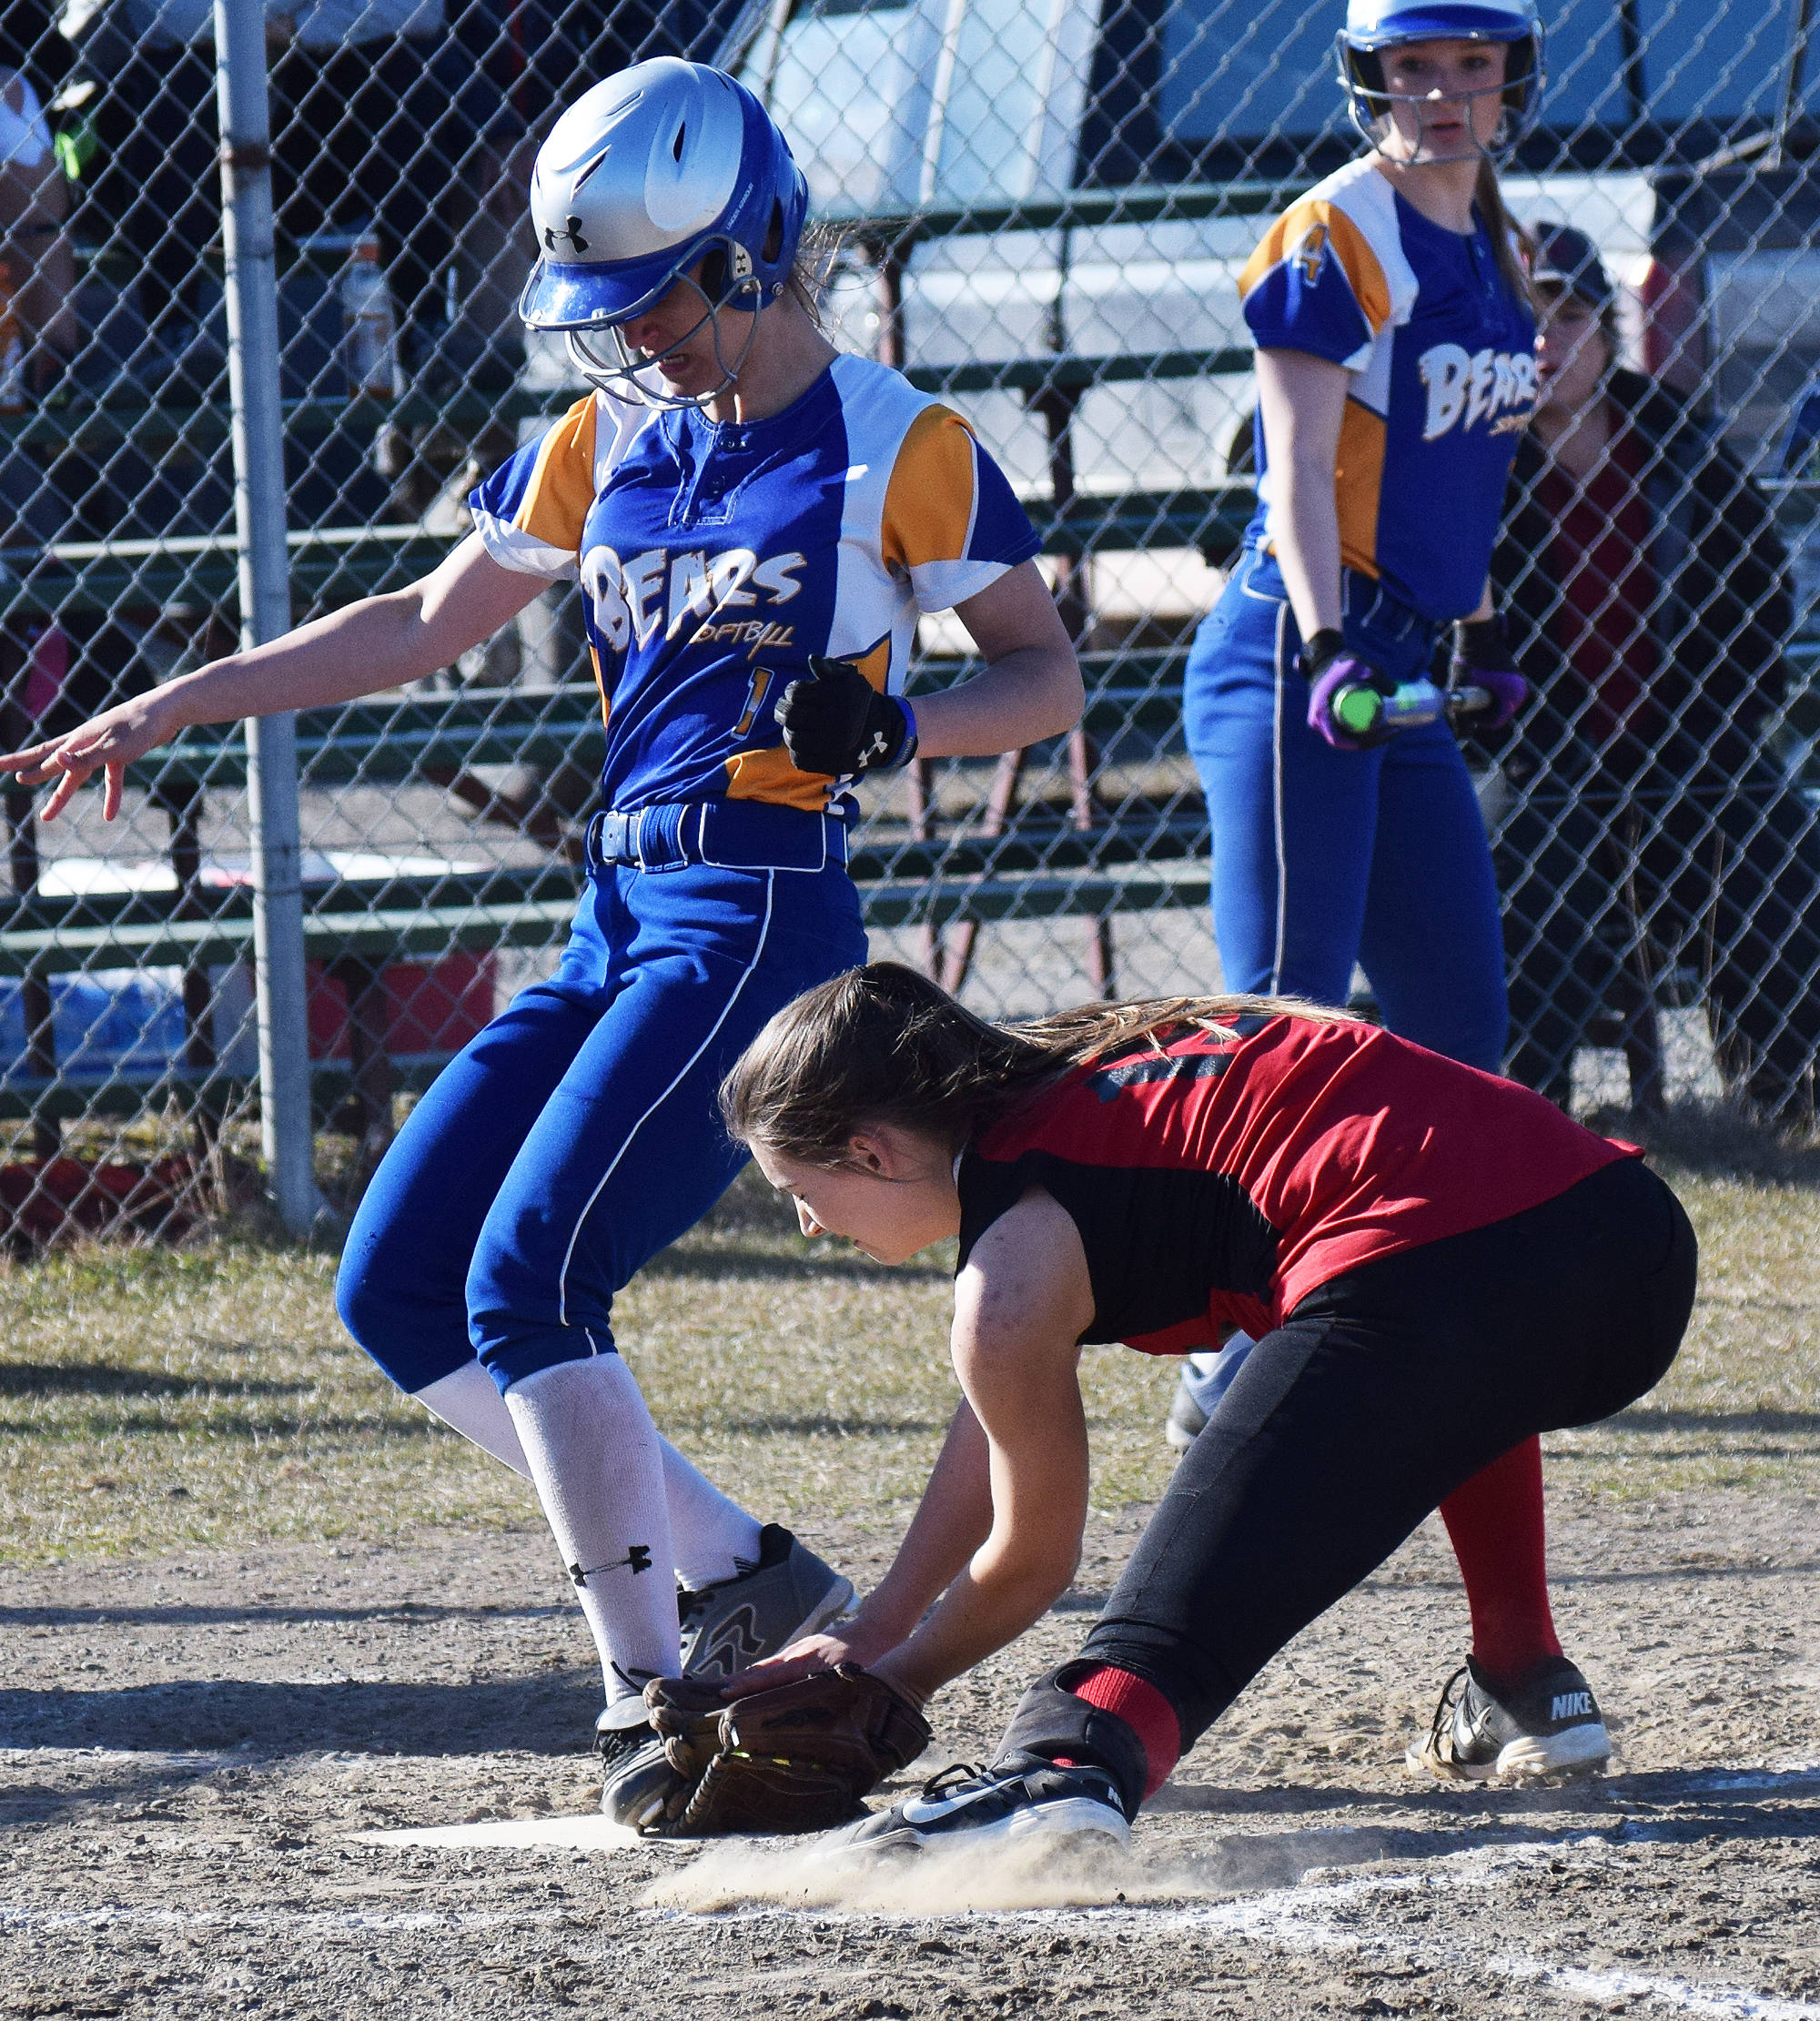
951 1521
381 642
1020 1307
996 1535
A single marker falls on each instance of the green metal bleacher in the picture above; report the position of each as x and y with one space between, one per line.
1043 860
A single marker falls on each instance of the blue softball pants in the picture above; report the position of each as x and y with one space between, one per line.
1322 858
578 1134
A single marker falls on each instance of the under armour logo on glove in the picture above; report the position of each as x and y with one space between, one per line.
838 724
638 1557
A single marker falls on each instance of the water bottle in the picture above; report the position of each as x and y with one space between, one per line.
1361 711
373 365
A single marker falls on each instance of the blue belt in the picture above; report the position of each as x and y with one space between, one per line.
1372 608
728 834
1365 605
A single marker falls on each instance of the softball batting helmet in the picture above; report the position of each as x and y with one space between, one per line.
1374 25
643 175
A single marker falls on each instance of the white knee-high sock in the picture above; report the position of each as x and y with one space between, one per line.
598 1468
470 1403
709 1533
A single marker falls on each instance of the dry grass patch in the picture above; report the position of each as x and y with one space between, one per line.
151 1401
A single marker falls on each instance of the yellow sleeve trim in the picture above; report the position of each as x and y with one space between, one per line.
1359 486
930 500
561 486
1297 225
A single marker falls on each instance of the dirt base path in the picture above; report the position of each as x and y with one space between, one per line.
191 1745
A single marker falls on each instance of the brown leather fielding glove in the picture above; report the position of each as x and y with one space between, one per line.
795 1759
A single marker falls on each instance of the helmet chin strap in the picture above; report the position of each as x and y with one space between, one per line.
621 375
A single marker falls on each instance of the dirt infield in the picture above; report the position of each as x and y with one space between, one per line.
193 1745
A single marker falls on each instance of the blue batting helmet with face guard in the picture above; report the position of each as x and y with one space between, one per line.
658 168
1374 27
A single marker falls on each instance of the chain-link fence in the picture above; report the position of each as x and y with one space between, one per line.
1047 208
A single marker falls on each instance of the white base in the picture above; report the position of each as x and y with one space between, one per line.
583 1833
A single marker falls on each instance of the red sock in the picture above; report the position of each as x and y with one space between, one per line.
1144 1710
1496 1525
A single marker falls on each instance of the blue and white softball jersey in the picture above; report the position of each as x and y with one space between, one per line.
715 558
1444 362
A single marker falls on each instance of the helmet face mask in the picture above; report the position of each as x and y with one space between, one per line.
1375 28
668 173
626 373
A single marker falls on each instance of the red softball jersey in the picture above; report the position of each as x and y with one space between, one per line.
1219 1178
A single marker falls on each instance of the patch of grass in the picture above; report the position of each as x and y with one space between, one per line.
151 1401
1741 1406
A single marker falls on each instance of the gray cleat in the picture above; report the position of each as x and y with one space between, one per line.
1187 1420
762 1608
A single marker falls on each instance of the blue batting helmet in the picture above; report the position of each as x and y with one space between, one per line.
644 175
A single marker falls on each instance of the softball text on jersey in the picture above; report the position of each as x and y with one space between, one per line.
715 559
1443 381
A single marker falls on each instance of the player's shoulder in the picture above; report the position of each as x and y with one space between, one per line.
1070 1118
919 484
1350 217
1359 191
879 407
617 424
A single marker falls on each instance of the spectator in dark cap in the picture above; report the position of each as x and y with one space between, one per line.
1650 827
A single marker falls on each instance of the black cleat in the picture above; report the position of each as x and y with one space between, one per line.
1020 1798
639 1785
1549 1725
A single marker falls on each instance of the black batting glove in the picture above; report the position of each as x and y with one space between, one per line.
1482 659
837 722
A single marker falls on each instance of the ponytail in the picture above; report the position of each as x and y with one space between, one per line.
1510 242
812 272
884 1045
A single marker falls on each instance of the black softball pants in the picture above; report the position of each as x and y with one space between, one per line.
1380 1394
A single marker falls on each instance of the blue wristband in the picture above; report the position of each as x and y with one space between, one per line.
907 750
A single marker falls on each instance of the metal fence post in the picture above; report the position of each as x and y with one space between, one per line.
265 603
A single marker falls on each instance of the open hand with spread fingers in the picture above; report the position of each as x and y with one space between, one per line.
107 744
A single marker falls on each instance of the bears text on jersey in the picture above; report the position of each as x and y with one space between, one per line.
1474 385
663 589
